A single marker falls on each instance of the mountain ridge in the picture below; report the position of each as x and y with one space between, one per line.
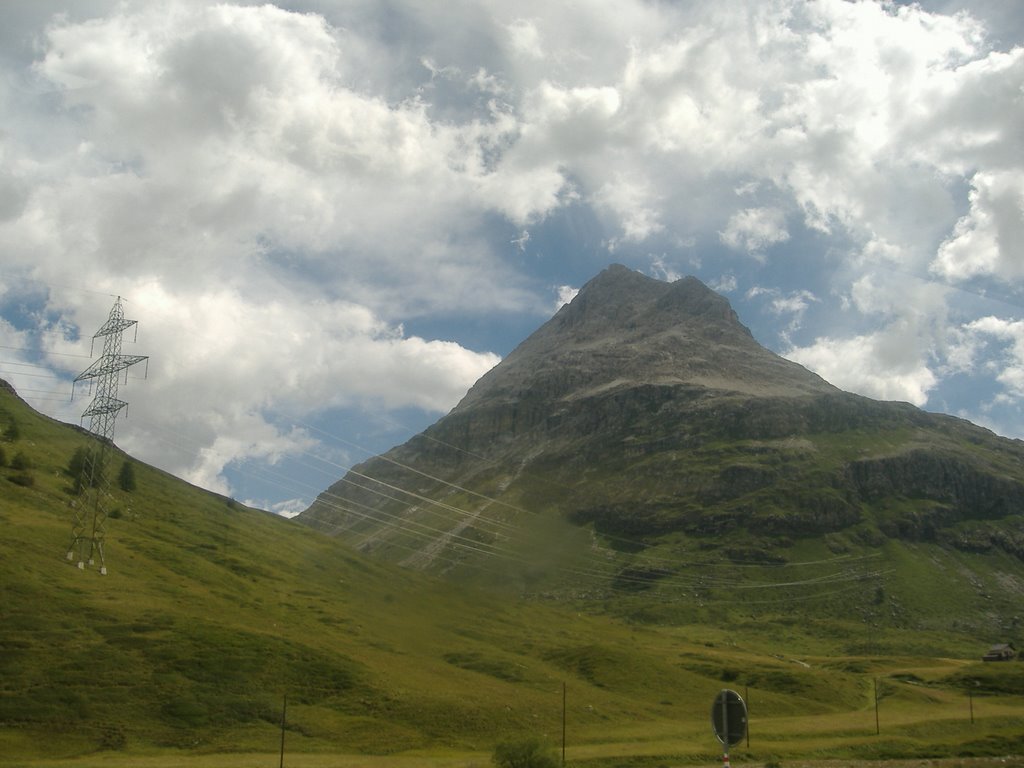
643 422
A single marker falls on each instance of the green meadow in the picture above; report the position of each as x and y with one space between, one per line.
216 619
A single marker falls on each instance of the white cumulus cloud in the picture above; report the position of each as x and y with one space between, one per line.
277 188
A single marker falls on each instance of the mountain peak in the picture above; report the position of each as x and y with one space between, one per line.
625 329
620 299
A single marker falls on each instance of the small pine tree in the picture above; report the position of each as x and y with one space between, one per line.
12 432
3 457
78 469
21 461
126 478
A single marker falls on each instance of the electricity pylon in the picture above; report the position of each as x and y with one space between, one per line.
89 526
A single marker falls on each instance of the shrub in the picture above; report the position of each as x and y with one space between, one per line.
524 753
23 479
3 457
126 478
21 461
79 467
113 737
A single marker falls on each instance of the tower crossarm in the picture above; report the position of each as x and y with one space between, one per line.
114 325
104 405
109 364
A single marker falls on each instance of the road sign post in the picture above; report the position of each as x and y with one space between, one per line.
729 720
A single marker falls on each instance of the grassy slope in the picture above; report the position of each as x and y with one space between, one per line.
212 613
951 600
699 519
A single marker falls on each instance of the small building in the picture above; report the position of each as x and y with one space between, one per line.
1000 652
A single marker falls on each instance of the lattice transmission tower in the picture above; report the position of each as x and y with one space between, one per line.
104 375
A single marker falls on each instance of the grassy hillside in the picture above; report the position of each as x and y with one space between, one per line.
212 613
651 539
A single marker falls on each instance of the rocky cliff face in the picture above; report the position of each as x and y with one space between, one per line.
645 412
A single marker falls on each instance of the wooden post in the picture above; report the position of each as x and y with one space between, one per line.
725 731
563 725
878 729
284 711
746 698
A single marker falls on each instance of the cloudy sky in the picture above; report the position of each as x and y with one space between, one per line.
330 217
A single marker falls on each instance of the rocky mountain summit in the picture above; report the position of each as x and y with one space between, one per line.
625 330
645 416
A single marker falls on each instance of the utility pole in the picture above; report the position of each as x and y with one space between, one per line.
89 525
878 728
563 724
284 722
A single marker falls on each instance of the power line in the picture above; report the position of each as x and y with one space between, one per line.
43 351
414 531
429 533
22 364
50 285
420 497
601 567
31 375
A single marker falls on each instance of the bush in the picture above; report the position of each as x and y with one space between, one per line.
126 478
80 466
525 753
113 737
21 461
23 479
3 457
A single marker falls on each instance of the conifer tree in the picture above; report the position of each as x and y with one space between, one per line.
126 478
